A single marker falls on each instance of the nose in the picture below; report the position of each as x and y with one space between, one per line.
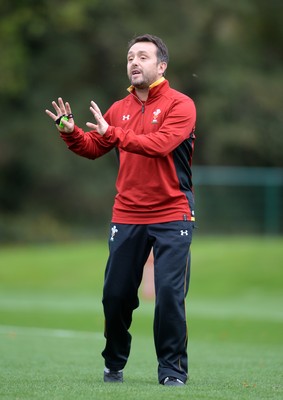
134 61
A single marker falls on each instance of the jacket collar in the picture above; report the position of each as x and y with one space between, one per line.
155 88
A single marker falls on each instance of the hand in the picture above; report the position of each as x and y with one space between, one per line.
101 125
62 109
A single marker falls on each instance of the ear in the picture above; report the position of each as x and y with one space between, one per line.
162 67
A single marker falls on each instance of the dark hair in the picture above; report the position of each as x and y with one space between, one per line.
162 51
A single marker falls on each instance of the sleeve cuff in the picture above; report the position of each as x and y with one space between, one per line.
109 134
73 134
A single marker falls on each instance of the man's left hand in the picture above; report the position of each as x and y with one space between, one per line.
101 125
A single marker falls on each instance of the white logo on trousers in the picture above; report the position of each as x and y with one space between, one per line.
114 230
184 233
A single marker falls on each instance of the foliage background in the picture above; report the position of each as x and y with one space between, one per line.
226 55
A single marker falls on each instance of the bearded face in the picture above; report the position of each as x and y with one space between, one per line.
143 66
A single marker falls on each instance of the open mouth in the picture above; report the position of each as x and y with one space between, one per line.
135 72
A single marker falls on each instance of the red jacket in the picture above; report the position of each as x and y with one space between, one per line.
155 142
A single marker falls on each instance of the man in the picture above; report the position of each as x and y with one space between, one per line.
152 129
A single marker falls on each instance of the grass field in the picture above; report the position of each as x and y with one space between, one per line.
51 324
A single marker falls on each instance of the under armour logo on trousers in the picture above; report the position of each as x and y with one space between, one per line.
184 233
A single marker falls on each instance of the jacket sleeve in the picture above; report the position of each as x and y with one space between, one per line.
177 126
87 144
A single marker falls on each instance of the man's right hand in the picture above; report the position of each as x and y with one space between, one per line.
62 109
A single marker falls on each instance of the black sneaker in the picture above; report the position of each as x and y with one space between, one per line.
113 376
171 381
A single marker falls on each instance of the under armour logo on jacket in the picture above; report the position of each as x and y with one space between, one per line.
126 117
184 233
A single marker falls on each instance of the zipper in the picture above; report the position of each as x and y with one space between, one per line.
142 109
139 101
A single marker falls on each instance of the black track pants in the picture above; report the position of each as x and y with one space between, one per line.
130 246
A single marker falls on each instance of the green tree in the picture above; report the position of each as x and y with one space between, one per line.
227 56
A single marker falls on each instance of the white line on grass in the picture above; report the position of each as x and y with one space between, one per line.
253 307
60 333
